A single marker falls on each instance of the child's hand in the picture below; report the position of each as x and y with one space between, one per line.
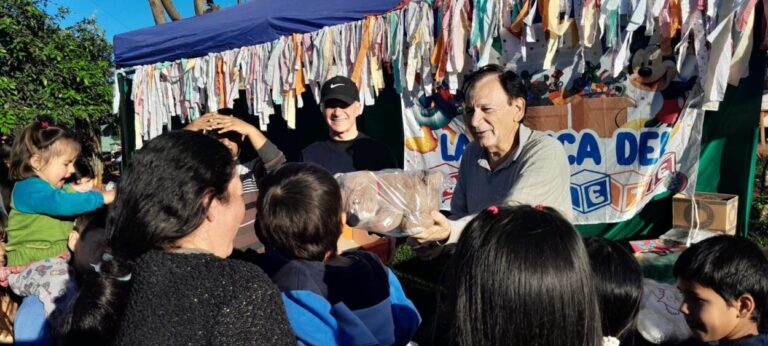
109 196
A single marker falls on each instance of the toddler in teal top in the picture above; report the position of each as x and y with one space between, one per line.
42 210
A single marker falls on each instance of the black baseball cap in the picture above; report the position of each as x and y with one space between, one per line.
339 88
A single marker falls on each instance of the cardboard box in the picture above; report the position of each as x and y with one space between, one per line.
717 211
604 115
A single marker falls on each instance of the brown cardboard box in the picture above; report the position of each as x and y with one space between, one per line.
717 211
604 115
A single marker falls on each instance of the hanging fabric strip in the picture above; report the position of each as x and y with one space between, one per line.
456 43
557 29
530 32
745 15
298 68
719 63
116 90
675 17
427 45
516 28
220 82
365 42
741 53
636 20
489 22
399 70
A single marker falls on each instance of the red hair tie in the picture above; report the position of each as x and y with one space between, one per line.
44 125
493 210
539 207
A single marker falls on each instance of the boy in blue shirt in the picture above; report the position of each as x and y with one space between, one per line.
330 298
724 281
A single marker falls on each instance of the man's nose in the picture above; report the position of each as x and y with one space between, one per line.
476 118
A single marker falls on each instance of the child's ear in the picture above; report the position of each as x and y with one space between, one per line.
72 240
746 305
343 218
36 161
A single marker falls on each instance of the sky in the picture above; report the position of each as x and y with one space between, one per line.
119 16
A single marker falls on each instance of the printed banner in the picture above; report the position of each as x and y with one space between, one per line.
629 133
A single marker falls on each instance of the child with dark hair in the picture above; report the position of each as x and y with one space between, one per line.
619 284
520 276
83 178
87 241
724 281
347 299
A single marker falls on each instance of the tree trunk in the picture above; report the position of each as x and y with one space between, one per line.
157 11
200 7
171 9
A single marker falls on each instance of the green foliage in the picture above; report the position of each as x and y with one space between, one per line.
46 70
758 221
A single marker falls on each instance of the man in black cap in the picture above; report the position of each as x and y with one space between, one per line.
347 149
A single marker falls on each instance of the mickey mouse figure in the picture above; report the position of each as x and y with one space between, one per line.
653 69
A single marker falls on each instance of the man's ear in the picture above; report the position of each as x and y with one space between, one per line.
518 104
72 240
359 108
746 305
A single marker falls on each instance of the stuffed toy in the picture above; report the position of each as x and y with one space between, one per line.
392 202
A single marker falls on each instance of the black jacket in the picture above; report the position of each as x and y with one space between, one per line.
200 299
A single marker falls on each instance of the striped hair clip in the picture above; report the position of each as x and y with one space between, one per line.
494 210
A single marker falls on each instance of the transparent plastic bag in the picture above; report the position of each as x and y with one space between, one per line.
659 319
393 202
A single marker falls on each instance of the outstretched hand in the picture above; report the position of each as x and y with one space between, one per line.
439 231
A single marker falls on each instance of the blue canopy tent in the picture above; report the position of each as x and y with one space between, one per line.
254 22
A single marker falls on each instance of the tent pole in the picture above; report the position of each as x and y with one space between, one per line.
127 128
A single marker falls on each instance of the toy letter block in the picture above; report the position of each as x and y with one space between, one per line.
627 190
590 190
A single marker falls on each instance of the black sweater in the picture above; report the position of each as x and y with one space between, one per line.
200 299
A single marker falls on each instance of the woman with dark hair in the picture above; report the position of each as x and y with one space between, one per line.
168 282
520 276
232 130
619 283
